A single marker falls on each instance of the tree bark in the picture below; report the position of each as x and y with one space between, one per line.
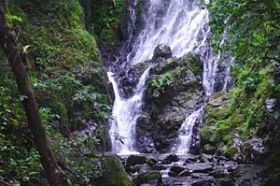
9 45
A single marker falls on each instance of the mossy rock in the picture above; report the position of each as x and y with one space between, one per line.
231 151
113 173
193 63
149 177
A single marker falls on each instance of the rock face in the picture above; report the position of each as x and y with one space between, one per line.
113 173
173 90
162 52
128 78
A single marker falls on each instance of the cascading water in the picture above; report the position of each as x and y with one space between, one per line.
125 113
186 132
182 25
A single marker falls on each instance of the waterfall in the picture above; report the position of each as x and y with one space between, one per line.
125 114
182 25
186 132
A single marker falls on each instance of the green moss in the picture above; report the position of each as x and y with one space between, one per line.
230 151
68 77
108 19
113 173
148 177
192 63
241 111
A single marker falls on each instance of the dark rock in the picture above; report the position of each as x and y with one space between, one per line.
177 169
185 173
219 173
171 158
128 78
162 51
144 139
190 160
159 167
151 161
202 183
252 150
134 160
172 174
228 181
174 88
153 178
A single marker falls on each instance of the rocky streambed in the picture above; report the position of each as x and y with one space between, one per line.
190 170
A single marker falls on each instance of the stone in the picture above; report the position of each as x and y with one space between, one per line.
162 51
173 90
171 158
135 159
202 183
153 177
112 173
184 173
144 139
177 169
201 167
151 161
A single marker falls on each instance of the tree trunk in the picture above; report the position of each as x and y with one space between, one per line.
15 58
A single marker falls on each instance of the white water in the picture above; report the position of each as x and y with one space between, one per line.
186 132
125 113
182 25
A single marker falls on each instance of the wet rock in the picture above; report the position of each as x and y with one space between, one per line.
135 159
220 78
201 167
128 78
112 173
144 138
177 169
159 167
219 173
228 181
153 178
252 150
162 51
170 159
185 173
151 161
172 174
202 183
143 168
270 104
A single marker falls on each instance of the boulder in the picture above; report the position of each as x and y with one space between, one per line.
170 159
200 167
153 178
129 78
162 51
113 173
173 91
134 160
177 169
144 138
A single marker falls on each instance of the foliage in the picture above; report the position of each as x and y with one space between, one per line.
68 77
252 29
109 17
161 82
